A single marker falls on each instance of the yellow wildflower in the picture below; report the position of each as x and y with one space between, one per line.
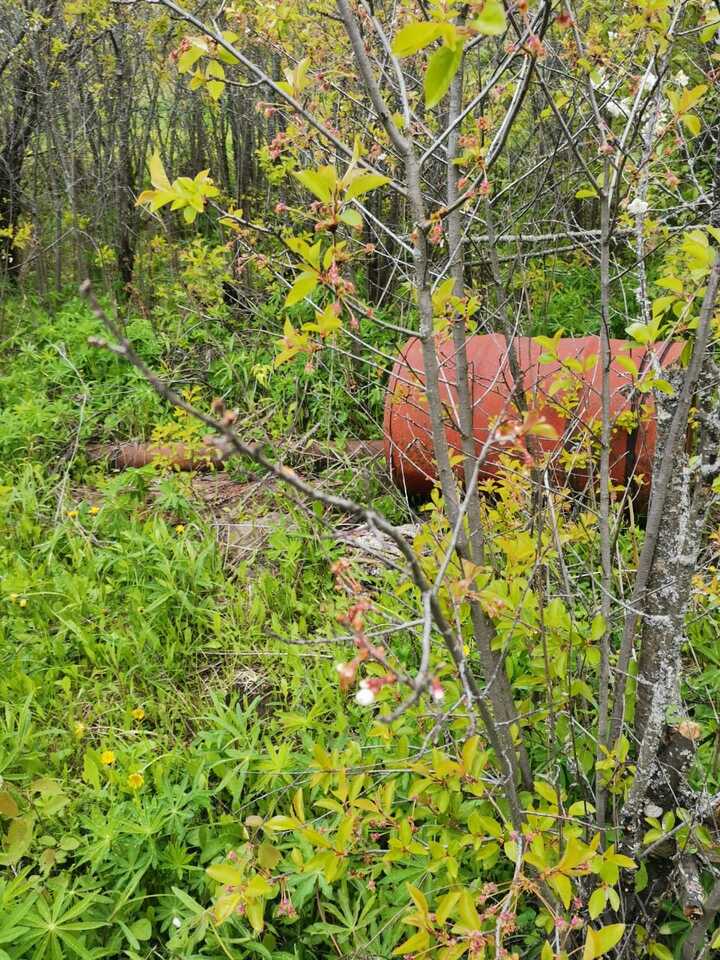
22 602
180 528
13 597
135 781
72 514
107 757
80 729
138 713
94 510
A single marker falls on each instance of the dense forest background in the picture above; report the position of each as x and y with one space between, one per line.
260 695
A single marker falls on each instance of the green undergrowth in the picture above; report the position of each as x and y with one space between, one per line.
155 690
182 775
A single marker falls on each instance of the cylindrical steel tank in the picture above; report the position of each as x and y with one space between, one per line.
408 441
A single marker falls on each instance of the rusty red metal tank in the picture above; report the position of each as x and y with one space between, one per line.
408 441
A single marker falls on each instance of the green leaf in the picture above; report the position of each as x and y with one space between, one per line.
442 67
545 791
255 912
644 332
414 37
563 887
226 873
492 21
141 929
364 183
216 86
304 284
671 283
258 887
282 823
586 192
8 807
599 942
446 906
268 856
321 182
627 363
417 943
641 878
18 840
352 218
188 59
467 914
597 628
691 123
158 177
596 904
660 951
418 898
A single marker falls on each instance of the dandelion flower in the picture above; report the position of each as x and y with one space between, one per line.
135 780
94 510
138 713
72 514
107 757
180 528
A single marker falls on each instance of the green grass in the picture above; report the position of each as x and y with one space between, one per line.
116 597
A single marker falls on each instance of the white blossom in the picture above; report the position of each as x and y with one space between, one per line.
648 82
176 922
681 78
364 697
638 207
617 108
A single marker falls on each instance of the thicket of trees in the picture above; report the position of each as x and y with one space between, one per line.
380 171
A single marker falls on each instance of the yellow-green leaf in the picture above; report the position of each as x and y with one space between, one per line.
414 37
8 807
304 284
226 873
268 856
417 943
187 60
599 942
596 904
282 823
364 183
491 20
255 912
352 218
562 886
442 67
321 182
158 177
418 898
